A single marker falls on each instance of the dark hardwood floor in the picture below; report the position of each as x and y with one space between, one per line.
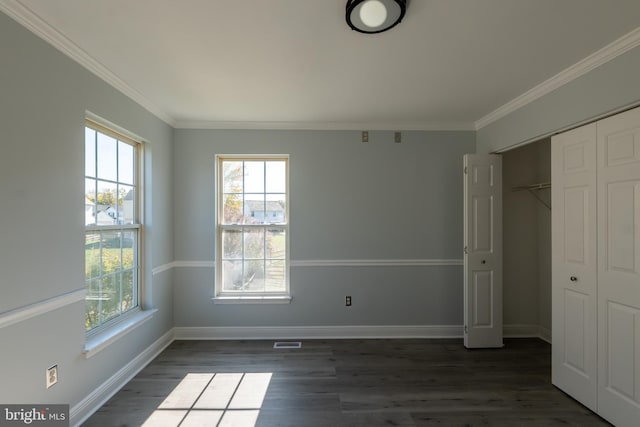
346 383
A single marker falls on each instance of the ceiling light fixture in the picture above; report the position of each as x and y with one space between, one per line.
375 16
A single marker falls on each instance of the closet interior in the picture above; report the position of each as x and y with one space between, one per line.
526 188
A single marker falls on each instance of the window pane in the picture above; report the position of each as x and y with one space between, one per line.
254 210
111 260
126 165
90 152
107 212
276 244
107 159
232 275
232 176
232 209
89 201
254 177
126 204
276 177
129 297
110 301
232 244
276 209
254 276
92 255
129 249
254 243
275 272
92 305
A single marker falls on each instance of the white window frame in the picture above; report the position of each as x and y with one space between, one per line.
107 331
238 297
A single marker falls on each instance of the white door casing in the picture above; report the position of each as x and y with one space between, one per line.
619 268
574 313
482 251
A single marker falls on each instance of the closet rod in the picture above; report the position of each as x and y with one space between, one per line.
533 188
537 186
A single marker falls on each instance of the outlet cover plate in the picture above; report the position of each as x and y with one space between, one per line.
52 376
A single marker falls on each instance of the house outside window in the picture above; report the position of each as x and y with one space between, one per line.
112 225
252 258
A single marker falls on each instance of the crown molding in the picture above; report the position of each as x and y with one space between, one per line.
580 68
38 26
369 126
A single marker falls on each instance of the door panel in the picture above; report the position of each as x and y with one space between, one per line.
576 231
483 251
482 224
483 298
619 268
575 310
574 297
621 322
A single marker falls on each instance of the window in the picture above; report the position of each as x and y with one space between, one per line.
112 225
252 227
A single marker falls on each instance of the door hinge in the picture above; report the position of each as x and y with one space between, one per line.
466 251
465 329
465 170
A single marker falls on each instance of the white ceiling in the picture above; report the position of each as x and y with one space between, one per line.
295 63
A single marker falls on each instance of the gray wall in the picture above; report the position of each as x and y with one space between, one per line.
605 89
43 99
349 201
527 237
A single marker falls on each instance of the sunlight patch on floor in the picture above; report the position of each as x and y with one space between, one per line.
213 399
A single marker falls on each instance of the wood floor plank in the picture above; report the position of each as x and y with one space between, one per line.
348 383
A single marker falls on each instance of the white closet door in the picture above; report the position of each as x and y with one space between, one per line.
574 310
619 268
483 251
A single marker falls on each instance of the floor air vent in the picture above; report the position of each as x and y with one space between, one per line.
287 344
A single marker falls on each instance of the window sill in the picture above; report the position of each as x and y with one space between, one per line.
252 300
103 339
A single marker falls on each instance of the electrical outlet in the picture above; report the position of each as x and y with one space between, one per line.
397 137
347 301
52 376
365 136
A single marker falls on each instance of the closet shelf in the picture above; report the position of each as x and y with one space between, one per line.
537 186
533 188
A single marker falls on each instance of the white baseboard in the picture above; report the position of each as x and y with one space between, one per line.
345 332
80 412
316 332
520 331
527 331
544 334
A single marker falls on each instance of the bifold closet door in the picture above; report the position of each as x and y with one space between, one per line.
619 268
574 298
482 251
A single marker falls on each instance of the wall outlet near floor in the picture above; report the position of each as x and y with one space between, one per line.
347 300
52 376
